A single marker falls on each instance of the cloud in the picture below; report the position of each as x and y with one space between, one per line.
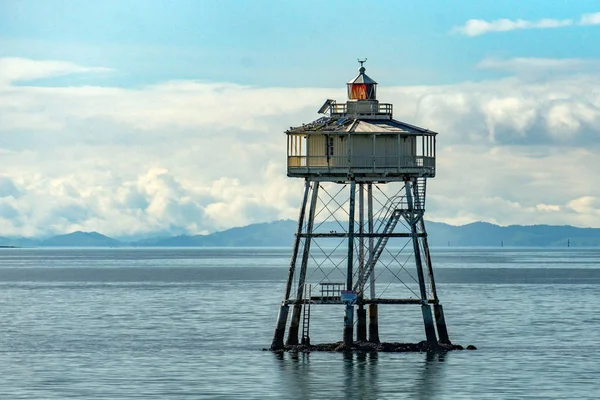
8 188
520 185
477 27
13 69
192 157
557 111
586 205
532 65
590 19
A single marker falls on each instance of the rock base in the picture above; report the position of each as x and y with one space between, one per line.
384 347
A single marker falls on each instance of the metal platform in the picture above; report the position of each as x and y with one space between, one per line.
338 300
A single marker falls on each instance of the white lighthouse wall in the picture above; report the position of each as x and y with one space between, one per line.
381 150
316 150
386 151
338 150
408 150
362 150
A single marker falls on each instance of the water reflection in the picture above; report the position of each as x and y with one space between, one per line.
295 374
431 376
362 375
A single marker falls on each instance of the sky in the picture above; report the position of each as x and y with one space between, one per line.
144 118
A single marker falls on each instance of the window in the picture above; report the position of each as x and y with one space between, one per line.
329 146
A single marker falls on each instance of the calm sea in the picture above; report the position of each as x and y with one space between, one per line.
192 323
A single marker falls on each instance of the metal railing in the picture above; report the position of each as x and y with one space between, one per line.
331 289
362 162
373 108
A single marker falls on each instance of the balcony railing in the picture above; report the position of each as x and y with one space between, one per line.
362 108
344 164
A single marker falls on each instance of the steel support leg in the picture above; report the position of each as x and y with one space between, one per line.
349 314
297 310
440 322
348 325
361 313
361 326
277 343
413 218
279 334
294 331
438 311
373 311
373 324
429 327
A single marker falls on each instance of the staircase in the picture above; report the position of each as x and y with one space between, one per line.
419 195
395 210
378 249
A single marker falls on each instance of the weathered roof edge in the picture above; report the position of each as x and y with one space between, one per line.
318 124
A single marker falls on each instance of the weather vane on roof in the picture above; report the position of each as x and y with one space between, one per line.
361 62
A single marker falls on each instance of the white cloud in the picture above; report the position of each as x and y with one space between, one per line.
590 19
477 27
8 188
507 185
555 111
13 69
191 157
532 65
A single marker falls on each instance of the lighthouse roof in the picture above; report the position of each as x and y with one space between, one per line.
350 125
362 78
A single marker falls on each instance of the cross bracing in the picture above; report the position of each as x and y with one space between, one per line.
366 241
329 236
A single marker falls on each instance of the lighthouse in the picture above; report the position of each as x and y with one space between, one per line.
365 177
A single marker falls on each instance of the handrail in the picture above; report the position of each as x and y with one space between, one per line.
331 289
381 108
373 162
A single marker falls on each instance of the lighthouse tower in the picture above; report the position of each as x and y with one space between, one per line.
365 175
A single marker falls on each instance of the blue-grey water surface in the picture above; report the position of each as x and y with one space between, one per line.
192 323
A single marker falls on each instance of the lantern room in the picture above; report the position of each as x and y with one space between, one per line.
362 87
360 140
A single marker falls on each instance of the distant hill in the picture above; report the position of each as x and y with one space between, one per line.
486 234
18 242
281 234
81 239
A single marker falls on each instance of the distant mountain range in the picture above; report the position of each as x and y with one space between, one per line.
281 233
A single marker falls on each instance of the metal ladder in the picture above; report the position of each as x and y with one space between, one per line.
306 316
